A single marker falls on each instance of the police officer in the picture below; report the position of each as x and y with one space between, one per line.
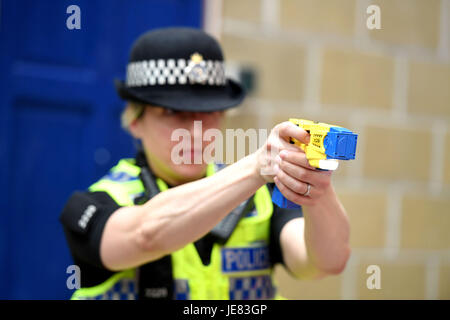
155 228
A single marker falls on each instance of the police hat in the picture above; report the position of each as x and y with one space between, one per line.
181 69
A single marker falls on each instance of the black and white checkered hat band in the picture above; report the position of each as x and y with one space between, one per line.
171 71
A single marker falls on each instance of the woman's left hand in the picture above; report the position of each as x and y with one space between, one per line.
295 174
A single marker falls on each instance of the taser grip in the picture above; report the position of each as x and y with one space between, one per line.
281 201
328 144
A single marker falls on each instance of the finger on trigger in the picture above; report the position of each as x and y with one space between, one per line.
290 130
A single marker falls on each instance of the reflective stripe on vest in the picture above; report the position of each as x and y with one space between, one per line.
239 270
121 286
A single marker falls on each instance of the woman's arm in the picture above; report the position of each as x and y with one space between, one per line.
183 214
317 244
139 234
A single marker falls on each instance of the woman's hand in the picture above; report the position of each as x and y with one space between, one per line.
287 166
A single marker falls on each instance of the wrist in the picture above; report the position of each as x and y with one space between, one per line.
327 201
255 168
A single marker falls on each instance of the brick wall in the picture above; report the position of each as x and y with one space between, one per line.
317 60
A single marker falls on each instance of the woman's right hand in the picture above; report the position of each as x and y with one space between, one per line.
268 156
287 166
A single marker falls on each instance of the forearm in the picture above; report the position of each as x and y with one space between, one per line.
327 233
177 216
188 212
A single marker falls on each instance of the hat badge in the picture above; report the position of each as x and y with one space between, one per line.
196 69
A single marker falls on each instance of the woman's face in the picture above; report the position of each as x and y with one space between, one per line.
155 128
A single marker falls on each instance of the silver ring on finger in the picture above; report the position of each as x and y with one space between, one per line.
307 190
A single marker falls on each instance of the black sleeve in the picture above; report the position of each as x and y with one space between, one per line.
280 217
83 219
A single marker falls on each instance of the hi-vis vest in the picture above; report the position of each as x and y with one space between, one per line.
240 269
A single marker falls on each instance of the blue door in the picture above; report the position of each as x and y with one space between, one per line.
59 122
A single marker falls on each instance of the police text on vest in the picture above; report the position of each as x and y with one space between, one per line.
245 259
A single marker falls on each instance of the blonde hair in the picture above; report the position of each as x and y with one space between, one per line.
132 111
